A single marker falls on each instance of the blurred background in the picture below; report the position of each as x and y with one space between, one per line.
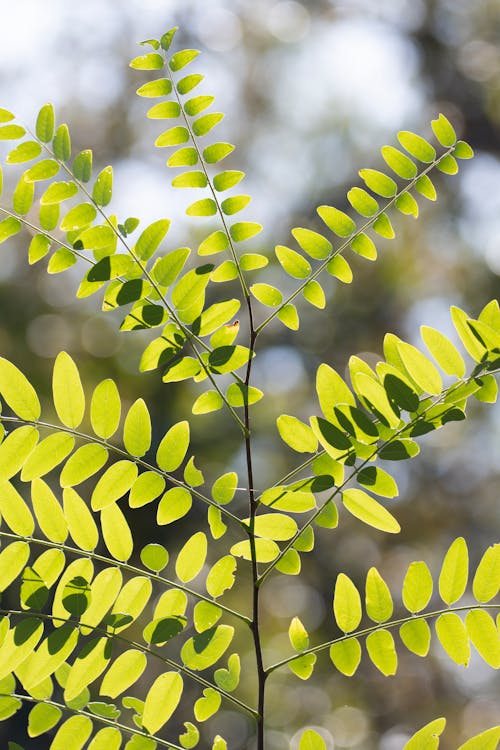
311 91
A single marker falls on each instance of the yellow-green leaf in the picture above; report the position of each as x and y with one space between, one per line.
191 557
346 604
69 398
18 392
454 572
370 511
417 587
116 532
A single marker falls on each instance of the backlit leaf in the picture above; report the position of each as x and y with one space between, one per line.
137 429
453 637
173 447
81 524
114 483
370 511
417 587
206 648
382 651
124 671
116 532
346 604
161 700
18 392
486 583
191 557
454 572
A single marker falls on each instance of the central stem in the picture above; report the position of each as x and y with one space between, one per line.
261 673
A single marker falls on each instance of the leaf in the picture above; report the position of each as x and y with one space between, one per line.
207 706
362 202
253 261
179 61
382 651
61 143
151 238
484 634
48 512
265 550
151 61
346 655
5 115
217 152
207 402
58 192
379 606
15 450
339 222
14 511
116 532
311 740
103 187
197 104
206 123
73 734
86 461
11 132
137 429
379 481
289 317
378 182
427 738
173 447
486 583
401 164
78 217
82 165
228 679
292 262
417 587
175 503
346 604
303 666
172 137
158 87
444 131
13 559
61 260
18 392
69 398
453 637
190 179
454 572
340 269
191 557
296 434
487 740
81 524
126 669
22 197
221 576
416 636
42 170
463 150
113 484
154 557
417 146
443 351
18 644
8 228
164 110
147 487
228 179
370 511
206 648
298 635
425 187
275 526
420 368
42 718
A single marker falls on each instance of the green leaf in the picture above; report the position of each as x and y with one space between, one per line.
105 409
221 576
58 192
23 152
227 271
188 83
172 137
244 230
207 402
61 261
447 164
203 207
22 198
207 706
161 701
82 165
487 740
217 152
416 636
206 123
89 664
197 104
364 246
175 504
340 268
292 262
427 738
158 87
79 217
154 557
417 587
5 115
275 526
137 429
147 487
454 572
444 131
9 227
417 146
426 188
81 524
13 558
420 368
367 509
314 294
113 484
42 718
69 398
443 351
484 634
382 651
48 512
463 150
215 243
45 123
362 202
265 550
190 180
453 637
190 737
14 511
298 635
346 604
181 59
42 170
84 463
296 434
108 738
18 644
173 447
191 557
289 317
11 132
206 648
73 734
378 182
15 449
303 666
486 583
379 606
469 340
124 671
103 187
383 227
267 294
346 655
311 740
116 532
378 481
166 269
401 164
164 110
407 204
151 61
228 179
339 222
61 143
228 679
228 358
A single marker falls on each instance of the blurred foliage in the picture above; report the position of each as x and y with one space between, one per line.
314 89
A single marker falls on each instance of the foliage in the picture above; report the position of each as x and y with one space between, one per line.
111 644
